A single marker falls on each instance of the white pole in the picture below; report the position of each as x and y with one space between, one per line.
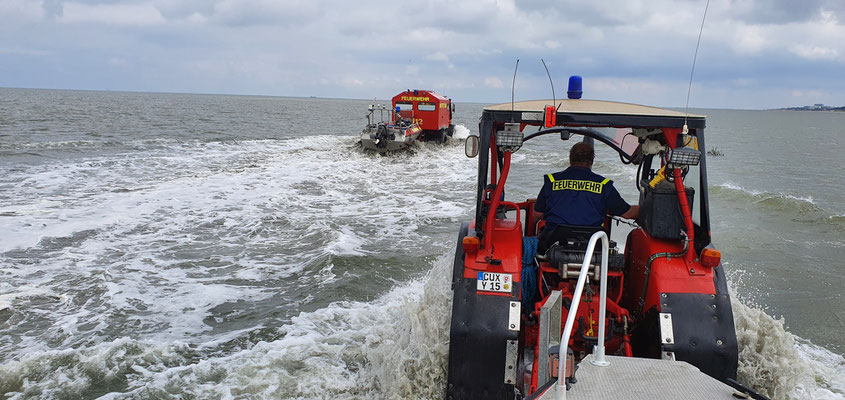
560 388
598 355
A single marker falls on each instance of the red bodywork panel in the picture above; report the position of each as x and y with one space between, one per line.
429 120
586 319
507 249
667 275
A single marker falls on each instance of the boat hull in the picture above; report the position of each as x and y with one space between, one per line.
383 138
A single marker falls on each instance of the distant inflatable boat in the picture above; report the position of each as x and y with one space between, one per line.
386 137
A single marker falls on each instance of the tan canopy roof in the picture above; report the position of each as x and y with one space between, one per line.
581 106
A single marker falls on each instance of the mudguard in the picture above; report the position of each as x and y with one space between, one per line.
458 265
479 335
704 332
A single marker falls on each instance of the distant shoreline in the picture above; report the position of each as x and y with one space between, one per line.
817 107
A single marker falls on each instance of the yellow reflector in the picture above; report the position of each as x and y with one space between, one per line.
470 244
710 257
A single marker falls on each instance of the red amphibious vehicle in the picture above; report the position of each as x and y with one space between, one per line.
663 296
432 111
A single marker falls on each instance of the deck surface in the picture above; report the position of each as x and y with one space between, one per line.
641 378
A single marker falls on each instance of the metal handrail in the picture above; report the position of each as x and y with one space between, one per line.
598 354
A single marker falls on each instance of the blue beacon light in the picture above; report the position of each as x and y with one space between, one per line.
574 91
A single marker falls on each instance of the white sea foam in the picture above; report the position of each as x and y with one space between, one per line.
393 347
461 132
346 242
10 293
159 231
72 373
781 366
148 244
772 360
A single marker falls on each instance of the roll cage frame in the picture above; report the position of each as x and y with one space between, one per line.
493 163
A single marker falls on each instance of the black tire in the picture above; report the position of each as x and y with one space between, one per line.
436 137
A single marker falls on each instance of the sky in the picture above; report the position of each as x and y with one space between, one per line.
754 54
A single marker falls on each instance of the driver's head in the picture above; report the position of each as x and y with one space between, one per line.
581 155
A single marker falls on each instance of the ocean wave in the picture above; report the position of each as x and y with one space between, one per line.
773 201
88 372
12 153
77 144
837 221
826 369
346 242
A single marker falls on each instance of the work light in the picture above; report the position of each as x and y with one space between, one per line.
682 156
510 138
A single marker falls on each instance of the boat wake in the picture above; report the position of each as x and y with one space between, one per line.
213 270
394 347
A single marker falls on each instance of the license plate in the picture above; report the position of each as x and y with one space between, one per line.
494 282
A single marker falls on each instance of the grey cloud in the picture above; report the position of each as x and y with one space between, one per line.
244 13
52 8
782 11
177 9
459 17
319 47
573 12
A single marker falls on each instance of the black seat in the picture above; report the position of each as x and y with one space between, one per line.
573 237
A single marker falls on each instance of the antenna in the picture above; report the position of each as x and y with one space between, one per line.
550 81
550 112
513 84
694 57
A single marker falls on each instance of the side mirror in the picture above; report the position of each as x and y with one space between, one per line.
471 146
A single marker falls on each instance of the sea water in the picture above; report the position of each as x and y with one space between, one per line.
206 246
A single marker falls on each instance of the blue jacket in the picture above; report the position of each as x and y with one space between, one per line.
578 196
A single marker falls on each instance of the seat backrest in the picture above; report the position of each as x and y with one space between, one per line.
573 237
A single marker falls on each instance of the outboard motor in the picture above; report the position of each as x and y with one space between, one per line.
383 135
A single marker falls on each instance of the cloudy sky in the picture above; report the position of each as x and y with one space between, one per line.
754 53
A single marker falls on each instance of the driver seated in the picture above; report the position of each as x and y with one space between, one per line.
578 196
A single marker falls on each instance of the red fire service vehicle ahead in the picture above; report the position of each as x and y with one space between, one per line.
432 111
